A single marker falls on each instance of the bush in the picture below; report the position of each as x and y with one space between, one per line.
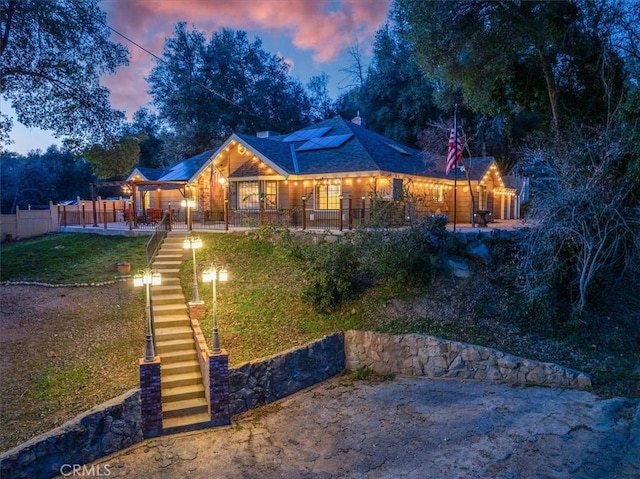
331 274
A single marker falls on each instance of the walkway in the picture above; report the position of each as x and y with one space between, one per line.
406 428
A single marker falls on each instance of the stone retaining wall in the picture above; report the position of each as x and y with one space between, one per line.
260 382
419 355
117 424
108 428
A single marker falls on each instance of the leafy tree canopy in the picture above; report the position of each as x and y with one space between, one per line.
116 160
53 54
206 89
396 97
552 58
38 178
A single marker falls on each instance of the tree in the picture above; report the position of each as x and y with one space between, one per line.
151 135
116 160
322 106
38 178
543 57
53 54
585 219
397 99
205 90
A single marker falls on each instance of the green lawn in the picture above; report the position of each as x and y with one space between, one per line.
67 258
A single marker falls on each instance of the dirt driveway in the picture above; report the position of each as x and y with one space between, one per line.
406 428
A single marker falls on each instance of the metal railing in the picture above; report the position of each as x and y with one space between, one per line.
361 214
162 227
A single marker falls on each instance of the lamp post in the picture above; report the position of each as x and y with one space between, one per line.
193 243
213 275
148 278
188 204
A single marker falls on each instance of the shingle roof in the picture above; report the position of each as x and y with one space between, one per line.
352 149
364 150
185 170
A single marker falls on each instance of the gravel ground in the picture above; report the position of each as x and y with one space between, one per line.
53 340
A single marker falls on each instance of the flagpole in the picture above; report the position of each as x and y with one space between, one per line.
455 168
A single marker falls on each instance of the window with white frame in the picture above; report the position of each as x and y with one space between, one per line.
248 195
328 197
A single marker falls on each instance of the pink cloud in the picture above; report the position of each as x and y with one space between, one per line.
323 29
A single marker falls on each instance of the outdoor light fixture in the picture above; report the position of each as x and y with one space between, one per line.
213 275
148 278
189 204
193 243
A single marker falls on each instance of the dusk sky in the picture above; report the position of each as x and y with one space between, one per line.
311 35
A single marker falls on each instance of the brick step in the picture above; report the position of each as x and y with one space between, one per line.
168 271
178 367
170 263
169 281
174 345
174 241
182 393
163 297
168 288
186 423
165 309
172 381
185 408
171 254
167 257
175 332
176 357
171 321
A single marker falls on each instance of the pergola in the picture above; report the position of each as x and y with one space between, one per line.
136 186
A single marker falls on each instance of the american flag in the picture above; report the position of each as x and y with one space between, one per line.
455 151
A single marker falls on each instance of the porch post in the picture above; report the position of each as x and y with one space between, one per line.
349 212
340 211
226 215
304 212
93 204
104 212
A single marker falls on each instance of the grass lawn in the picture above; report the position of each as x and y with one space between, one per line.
70 258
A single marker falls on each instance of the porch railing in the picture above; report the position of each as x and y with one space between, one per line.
366 214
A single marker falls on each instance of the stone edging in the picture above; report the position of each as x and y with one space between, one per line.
70 285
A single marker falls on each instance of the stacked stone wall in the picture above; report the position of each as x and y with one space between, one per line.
419 355
111 427
260 382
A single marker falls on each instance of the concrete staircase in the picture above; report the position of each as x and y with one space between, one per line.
184 405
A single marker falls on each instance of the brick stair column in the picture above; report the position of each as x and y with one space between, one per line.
184 404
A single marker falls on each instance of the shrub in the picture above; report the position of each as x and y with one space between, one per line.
331 271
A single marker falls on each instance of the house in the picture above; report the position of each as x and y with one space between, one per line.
333 173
